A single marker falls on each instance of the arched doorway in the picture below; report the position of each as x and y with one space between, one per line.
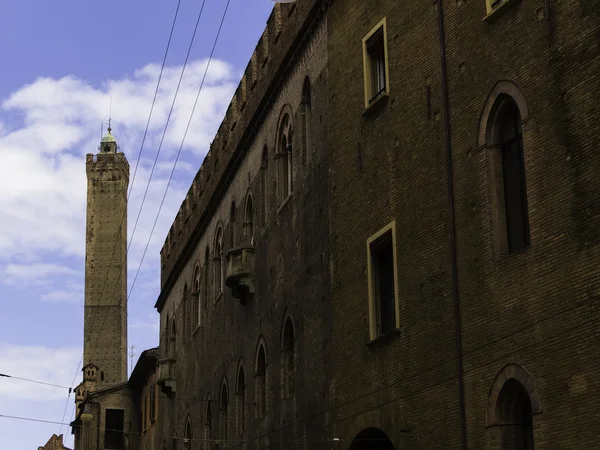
371 439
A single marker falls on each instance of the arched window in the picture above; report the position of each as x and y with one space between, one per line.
249 221
513 411
232 224
173 340
166 337
241 400
224 404
174 442
264 184
305 108
197 311
261 382
289 358
509 137
205 282
219 266
187 440
284 156
186 314
208 420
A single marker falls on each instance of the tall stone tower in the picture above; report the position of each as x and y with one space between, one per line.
105 322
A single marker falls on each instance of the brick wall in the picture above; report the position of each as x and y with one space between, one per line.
390 165
291 278
105 323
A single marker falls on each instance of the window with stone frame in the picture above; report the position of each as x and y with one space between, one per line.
382 281
288 359
232 225
305 113
264 184
261 382
205 281
375 59
219 263
196 298
224 414
514 413
208 423
249 221
284 159
510 140
241 400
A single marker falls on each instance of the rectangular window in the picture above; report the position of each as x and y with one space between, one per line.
382 273
375 57
113 429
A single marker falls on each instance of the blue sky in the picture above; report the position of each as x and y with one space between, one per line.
61 63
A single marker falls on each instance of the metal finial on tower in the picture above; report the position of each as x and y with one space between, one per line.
109 114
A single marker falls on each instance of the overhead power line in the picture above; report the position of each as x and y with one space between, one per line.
4 375
133 178
153 168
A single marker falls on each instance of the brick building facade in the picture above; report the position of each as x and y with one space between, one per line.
464 295
244 279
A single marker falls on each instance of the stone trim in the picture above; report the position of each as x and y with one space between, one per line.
517 372
488 114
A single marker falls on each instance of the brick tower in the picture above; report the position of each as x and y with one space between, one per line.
105 322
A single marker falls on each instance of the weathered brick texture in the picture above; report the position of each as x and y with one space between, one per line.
391 165
291 251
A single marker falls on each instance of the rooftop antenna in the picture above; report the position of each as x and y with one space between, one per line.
131 356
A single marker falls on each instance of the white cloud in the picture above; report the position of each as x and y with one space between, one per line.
40 363
42 168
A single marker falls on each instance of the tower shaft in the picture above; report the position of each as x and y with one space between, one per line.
105 321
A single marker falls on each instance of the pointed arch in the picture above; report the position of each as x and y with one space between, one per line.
487 117
288 355
174 441
260 372
305 111
205 281
284 153
232 223
173 339
224 412
196 297
208 422
187 436
501 135
240 391
249 219
264 184
511 372
186 314
218 252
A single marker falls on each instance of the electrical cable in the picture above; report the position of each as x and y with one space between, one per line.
134 175
180 147
4 375
152 171
410 393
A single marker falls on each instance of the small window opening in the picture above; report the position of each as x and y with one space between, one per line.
375 47
382 262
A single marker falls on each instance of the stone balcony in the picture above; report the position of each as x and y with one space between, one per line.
240 272
166 375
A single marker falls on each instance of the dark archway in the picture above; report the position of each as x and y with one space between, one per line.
513 413
371 439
